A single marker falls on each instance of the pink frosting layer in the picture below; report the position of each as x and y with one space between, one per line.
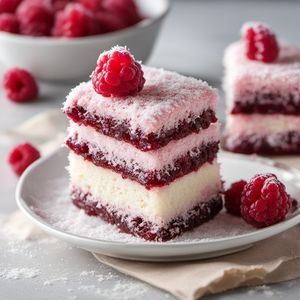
247 76
166 99
261 124
118 151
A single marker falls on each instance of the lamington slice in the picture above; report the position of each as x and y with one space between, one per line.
146 163
263 102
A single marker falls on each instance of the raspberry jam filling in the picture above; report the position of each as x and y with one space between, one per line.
150 179
137 226
276 144
268 103
142 141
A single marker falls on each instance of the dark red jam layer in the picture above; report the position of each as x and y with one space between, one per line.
268 103
139 227
275 144
142 141
182 166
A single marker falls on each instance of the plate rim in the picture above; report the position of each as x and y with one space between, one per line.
261 234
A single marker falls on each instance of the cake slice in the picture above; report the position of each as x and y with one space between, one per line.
146 162
263 99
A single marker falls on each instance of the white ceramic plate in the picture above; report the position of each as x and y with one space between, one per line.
42 194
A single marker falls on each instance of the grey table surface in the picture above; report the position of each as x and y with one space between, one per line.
191 42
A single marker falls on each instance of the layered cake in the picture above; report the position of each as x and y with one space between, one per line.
262 86
143 150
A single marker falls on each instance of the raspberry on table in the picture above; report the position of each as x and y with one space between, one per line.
35 17
261 42
117 74
264 201
9 6
22 156
126 10
9 23
233 197
19 85
75 21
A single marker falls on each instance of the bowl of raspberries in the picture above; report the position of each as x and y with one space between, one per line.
61 39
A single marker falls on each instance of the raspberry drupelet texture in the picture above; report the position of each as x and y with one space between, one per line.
261 42
118 74
9 6
233 197
93 5
124 9
110 22
35 17
75 21
59 4
22 156
19 85
264 201
9 23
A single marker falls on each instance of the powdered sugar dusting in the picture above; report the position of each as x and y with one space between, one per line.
82 278
264 290
57 209
166 98
19 273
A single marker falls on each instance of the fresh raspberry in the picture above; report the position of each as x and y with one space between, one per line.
261 43
110 22
9 23
22 156
264 201
20 86
117 74
93 5
60 4
233 197
35 17
75 21
9 6
126 10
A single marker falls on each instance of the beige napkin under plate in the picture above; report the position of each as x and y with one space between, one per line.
273 260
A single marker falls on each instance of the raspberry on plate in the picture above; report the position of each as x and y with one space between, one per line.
125 9
9 23
264 201
35 17
22 156
261 42
118 74
9 6
19 85
233 197
75 21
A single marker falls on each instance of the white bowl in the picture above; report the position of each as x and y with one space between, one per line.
66 59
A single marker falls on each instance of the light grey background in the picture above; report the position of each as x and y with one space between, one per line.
192 42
